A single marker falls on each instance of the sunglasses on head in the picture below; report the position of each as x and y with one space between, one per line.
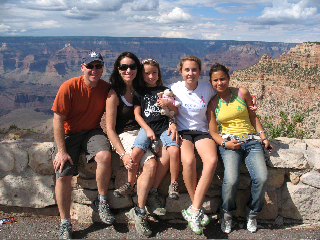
91 66
124 67
147 60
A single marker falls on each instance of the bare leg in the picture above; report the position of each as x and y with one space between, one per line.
63 195
163 161
145 181
208 153
189 172
103 171
136 156
174 162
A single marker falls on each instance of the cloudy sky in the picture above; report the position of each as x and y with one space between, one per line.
244 20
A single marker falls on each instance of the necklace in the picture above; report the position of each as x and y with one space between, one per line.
227 102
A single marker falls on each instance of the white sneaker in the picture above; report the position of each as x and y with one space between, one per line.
252 225
194 220
204 218
226 225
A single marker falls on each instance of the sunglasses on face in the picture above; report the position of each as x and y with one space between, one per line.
91 66
124 67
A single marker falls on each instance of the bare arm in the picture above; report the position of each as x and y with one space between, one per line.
58 130
142 122
253 117
111 117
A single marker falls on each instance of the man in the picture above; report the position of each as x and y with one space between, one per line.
78 108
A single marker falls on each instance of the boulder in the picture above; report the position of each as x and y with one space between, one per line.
311 178
301 202
36 191
12 158
288 158
270 207
40 158
276 177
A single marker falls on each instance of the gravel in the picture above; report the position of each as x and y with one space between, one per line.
47 228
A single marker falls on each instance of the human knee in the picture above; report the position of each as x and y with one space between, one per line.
63 180
103 157
150 165
174 152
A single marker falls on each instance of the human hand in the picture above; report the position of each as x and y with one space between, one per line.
60 159
255 104
128 162
163 103
175 134
151 135
267 145
233 144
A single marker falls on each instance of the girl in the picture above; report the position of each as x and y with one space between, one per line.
153 125
238 142
192 125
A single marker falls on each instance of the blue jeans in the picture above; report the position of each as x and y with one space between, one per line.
252 153
143 142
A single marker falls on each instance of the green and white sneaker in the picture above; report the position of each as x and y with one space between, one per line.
204 218
193 220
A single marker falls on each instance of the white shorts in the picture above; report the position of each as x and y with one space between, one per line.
127 140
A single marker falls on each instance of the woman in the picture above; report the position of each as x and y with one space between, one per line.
239 141
122 130
192 125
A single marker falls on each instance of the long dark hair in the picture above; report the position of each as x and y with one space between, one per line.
116 81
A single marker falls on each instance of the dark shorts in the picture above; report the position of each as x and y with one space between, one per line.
194 136
91 142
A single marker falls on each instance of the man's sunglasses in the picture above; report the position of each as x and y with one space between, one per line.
124 67
91 66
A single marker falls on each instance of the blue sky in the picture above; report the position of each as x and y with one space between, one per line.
244 20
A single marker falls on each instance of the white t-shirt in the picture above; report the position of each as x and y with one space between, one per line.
192 111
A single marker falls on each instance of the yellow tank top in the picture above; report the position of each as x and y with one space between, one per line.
234 116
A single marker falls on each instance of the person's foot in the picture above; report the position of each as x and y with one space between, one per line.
65 231
156 206
103 208
204 218
252 225
141 223
226 225
124 190
174 190
193 220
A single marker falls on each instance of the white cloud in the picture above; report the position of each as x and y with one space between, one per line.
4 28
174 34
283 12
176 15
145 5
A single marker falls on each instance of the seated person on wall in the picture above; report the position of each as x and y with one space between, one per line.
78 107
242 139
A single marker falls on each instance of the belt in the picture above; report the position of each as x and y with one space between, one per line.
242 138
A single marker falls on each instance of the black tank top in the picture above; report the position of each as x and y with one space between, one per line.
125 118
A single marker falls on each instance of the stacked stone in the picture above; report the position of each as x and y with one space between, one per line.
27 180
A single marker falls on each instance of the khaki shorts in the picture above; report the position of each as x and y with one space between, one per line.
127 140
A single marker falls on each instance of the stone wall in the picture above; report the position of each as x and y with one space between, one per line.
27 182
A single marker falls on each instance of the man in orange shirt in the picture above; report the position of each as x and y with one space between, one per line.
78 108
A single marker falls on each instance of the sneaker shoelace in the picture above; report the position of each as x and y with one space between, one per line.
105 207
175 187
125 187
